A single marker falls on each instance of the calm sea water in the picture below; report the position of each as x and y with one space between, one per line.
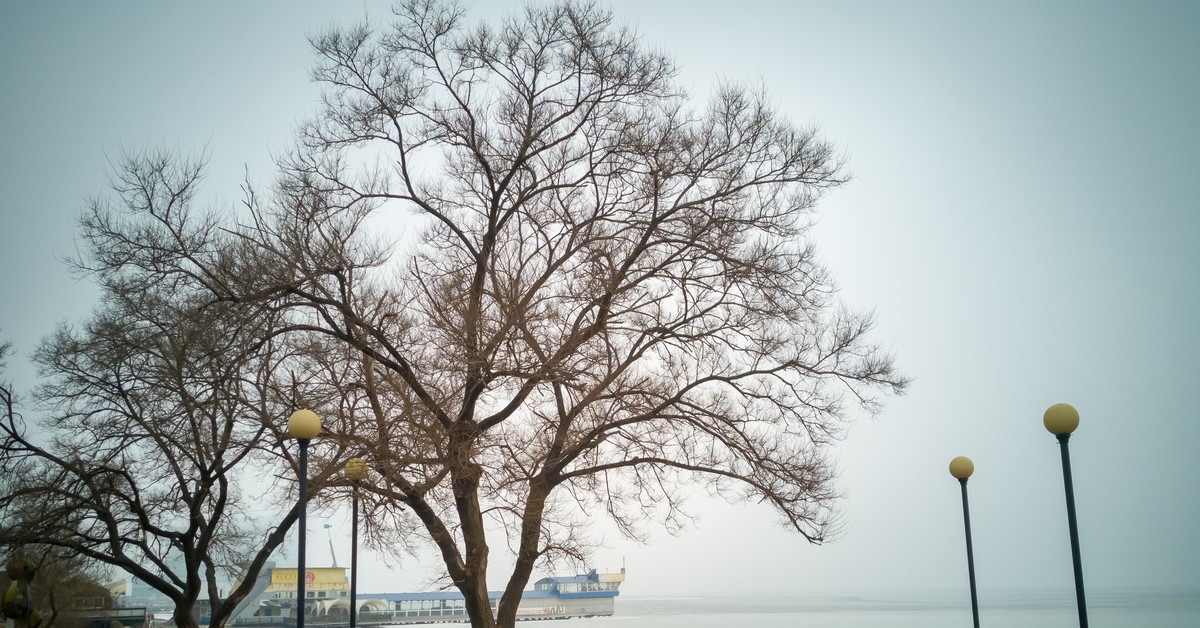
1014 609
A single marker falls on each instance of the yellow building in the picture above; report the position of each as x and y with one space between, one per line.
321 584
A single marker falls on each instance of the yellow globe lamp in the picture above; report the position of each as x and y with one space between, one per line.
304 424
1061 418
962 467
356 469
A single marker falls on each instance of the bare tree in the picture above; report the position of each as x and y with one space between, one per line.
160 413
64 587
613 294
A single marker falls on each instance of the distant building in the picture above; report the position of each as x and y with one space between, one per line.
320 583
141 594
327 590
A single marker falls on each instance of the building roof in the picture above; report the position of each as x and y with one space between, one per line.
442 595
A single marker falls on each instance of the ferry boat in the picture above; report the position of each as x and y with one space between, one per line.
327 593
586 595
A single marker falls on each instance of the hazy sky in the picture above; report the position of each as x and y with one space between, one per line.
1023 219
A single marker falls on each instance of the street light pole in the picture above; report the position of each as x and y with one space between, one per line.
356 471
304 425
962 468
1061 419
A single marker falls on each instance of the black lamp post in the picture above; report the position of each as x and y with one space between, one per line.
356 472
303 425
1061 419
962 468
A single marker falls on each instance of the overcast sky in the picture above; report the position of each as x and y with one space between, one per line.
1023 220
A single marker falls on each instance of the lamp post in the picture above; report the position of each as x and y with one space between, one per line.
303 425
962 468
356 472
1061 419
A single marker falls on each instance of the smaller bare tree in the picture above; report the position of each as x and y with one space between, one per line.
159 416
64 583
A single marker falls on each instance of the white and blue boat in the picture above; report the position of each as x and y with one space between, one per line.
587 595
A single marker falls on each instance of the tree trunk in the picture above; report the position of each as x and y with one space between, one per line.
466 496
527 553
184 615
479 608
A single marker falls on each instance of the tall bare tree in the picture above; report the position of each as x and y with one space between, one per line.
612 294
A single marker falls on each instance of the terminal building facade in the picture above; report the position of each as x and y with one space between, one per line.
326 591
